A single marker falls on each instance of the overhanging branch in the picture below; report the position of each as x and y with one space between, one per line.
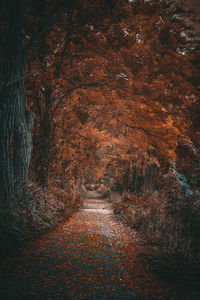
148 132
42 28
70 91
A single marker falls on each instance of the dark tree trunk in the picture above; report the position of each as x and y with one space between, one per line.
9 78
23 123
126 178
15 119
134 179
15 127
46 131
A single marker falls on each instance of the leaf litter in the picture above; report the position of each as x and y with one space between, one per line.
91 256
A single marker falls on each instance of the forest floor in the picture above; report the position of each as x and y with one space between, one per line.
91 256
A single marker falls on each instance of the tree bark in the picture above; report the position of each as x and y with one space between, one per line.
15 119
134 178
23 124
9 78
15 126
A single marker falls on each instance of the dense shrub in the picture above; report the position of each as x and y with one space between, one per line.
171 232
37 211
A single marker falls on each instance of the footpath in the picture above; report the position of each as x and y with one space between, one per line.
91 256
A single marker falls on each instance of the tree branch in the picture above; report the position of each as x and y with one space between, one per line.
148 132
67 40
42 28
70 91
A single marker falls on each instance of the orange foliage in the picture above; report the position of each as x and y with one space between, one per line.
121 92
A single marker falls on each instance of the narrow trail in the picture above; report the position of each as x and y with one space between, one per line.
91 256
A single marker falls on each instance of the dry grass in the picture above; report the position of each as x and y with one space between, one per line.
37 211
171 231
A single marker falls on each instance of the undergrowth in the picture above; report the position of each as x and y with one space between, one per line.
171 233
37 211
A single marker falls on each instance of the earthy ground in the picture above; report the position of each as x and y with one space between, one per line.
92 256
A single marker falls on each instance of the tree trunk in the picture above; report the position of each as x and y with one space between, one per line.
23 124
6 164
9 78
15 126
134 179
46 131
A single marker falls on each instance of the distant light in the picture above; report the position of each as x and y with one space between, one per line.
138 38
126 32
181 51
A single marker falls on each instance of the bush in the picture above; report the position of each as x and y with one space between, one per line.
37 211
171 231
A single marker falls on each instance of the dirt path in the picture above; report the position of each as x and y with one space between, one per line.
92 256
